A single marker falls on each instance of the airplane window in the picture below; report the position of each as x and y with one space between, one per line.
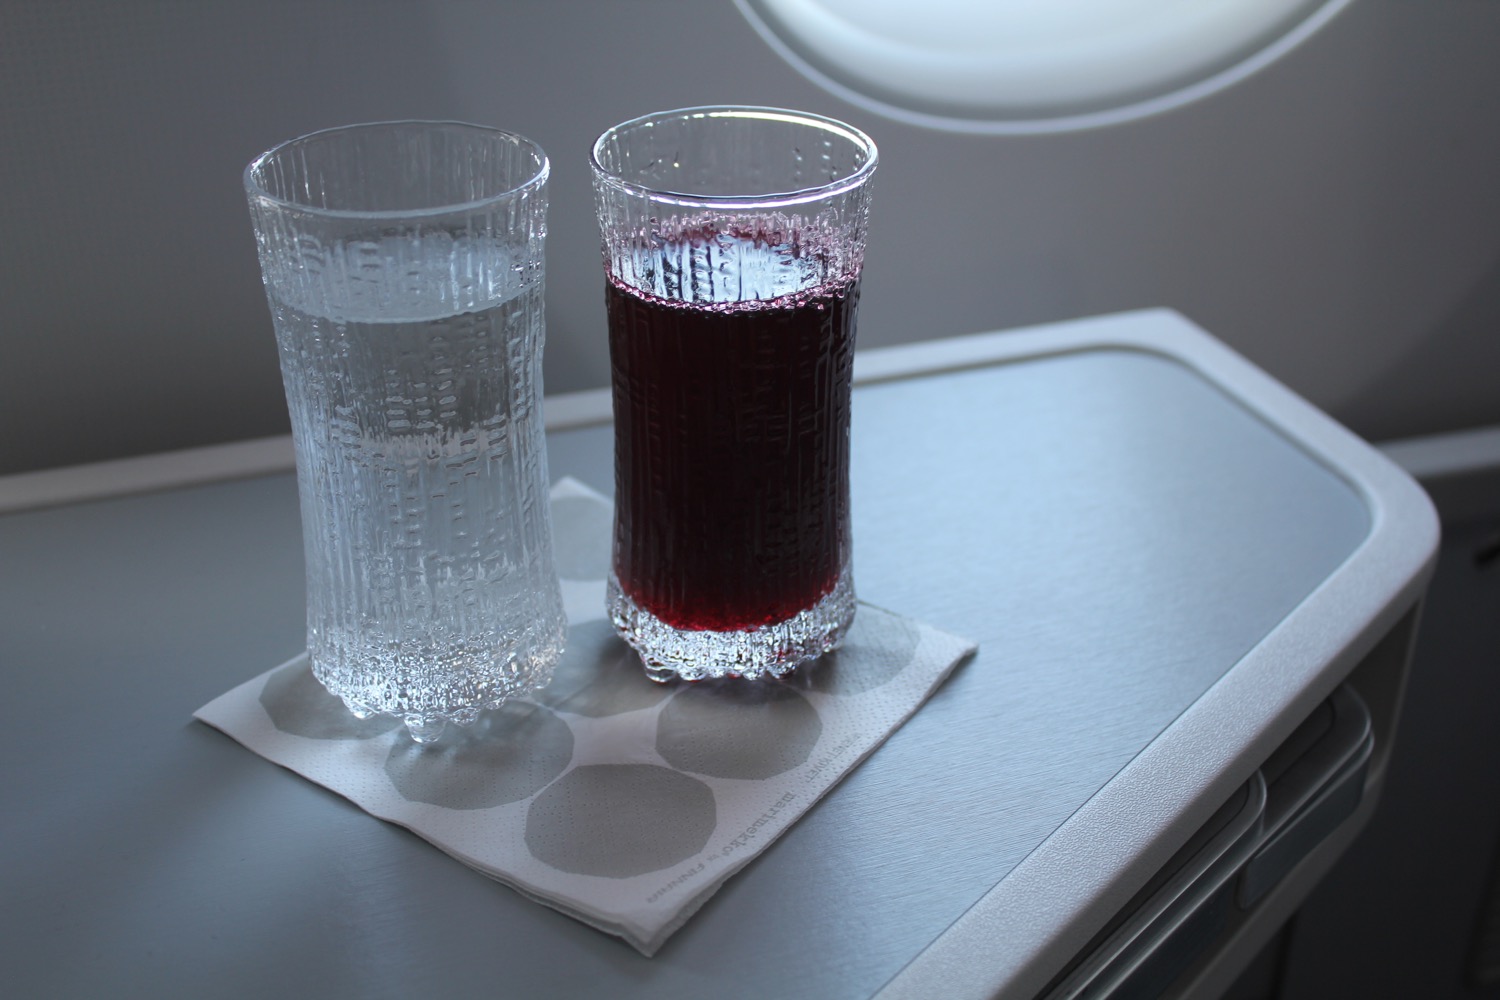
1030 65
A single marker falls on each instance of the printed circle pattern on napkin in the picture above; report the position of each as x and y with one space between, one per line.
599 675
298 704
510 754
620 820
875 651
734 729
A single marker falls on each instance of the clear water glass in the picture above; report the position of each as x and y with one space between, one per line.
403 266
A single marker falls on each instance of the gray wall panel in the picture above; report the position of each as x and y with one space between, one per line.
1333 217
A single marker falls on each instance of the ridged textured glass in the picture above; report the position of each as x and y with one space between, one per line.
733 240
403 266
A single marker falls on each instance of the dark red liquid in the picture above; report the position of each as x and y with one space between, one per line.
731 453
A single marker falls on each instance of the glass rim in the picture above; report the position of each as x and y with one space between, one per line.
258 191
763 200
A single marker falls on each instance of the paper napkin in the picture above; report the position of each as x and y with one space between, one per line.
619 801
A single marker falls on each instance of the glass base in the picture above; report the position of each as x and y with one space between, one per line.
769 651
461 700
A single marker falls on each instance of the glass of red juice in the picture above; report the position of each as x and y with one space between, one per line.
733 241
